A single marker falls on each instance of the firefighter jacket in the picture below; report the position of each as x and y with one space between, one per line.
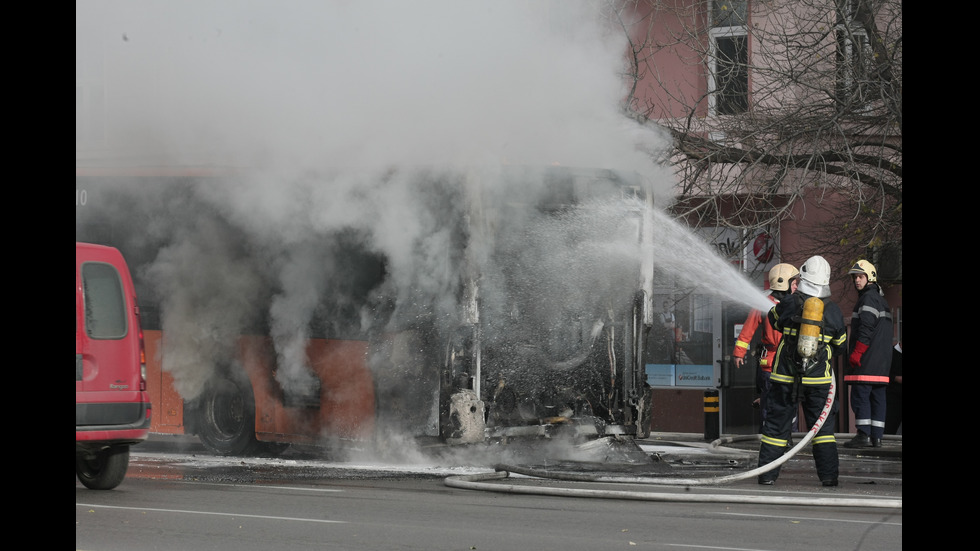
770 338
789 366
871 332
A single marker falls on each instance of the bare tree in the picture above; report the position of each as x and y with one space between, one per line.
776 106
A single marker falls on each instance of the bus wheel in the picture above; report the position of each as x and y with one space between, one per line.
104 469
227 416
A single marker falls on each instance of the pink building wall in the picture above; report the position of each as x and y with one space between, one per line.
681 69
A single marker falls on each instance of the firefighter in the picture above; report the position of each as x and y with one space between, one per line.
803 374
783 279
870 357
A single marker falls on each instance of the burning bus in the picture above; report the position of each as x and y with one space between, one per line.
466 305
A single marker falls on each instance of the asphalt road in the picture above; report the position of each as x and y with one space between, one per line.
184 498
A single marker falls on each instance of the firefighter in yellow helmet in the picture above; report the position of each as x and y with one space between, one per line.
783 279
803 374
870 358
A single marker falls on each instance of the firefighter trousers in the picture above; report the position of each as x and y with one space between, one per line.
868 402
784 401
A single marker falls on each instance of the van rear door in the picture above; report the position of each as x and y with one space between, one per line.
107 342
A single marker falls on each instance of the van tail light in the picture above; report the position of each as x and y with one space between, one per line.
142 352
142 363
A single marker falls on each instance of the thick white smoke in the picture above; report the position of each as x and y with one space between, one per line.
305 83
316 102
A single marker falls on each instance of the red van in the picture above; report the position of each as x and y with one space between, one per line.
112 407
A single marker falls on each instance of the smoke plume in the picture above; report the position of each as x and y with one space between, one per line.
356 141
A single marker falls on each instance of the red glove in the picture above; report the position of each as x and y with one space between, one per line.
859 349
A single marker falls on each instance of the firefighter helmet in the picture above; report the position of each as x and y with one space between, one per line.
815 277
866 268
781 275
816 270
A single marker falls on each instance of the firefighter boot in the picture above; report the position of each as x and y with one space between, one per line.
860 440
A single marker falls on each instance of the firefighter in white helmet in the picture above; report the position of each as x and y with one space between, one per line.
798 378
783 279
870 357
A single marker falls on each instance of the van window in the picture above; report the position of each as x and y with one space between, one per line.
105 303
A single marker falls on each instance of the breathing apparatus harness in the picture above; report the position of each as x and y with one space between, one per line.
808 339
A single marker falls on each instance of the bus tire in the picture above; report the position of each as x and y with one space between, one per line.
226 422
103 470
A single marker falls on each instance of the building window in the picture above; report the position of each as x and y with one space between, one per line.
729 82
855 58
725 13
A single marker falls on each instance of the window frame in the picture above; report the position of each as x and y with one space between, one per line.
855 57
720 90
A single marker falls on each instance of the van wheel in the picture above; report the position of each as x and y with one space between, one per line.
104 469
227 417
